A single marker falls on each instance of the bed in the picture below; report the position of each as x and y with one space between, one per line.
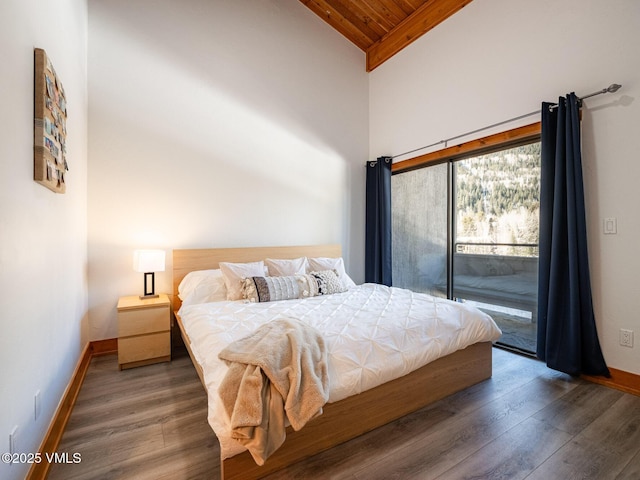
377 397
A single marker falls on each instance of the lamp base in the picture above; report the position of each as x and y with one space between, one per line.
149 286
146 297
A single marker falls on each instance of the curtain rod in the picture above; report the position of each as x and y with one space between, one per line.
614 87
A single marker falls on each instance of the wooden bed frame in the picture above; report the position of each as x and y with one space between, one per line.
341 421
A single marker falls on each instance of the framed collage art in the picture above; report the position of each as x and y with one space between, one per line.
50 126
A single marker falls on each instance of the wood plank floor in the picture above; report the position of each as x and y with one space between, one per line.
527 422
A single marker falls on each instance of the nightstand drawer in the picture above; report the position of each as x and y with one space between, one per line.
144 347
141 321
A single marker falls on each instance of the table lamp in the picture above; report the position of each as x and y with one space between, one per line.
148 262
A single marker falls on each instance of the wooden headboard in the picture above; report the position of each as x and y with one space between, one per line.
188 260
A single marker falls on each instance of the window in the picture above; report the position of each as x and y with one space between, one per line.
466 228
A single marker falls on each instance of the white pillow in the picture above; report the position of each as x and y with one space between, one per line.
202 286
235 273
337 264
278 267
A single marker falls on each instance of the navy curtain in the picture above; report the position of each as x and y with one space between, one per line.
377 266
567 336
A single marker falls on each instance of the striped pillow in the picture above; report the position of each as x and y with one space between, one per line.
271 289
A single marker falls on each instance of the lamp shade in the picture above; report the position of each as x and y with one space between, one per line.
148 260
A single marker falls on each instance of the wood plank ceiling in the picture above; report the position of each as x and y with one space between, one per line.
381 28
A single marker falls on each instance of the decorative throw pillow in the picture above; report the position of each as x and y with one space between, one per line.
270 289
308 285
327 263
328 282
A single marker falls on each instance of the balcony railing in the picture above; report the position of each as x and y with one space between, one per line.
508 279
506 249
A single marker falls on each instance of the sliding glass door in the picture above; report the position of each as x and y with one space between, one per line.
495 247
468 230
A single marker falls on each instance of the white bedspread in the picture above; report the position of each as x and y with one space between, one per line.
373 334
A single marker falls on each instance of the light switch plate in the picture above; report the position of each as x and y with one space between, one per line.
610 226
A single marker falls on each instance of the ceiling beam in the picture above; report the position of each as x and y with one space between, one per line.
411 28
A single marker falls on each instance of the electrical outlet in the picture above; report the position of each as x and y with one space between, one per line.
36 405
13 440
626 337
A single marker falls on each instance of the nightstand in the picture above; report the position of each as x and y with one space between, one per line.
144 331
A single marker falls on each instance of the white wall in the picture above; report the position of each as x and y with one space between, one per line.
218 124
497 59
43 288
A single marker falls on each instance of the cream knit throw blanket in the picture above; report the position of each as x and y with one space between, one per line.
279 370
